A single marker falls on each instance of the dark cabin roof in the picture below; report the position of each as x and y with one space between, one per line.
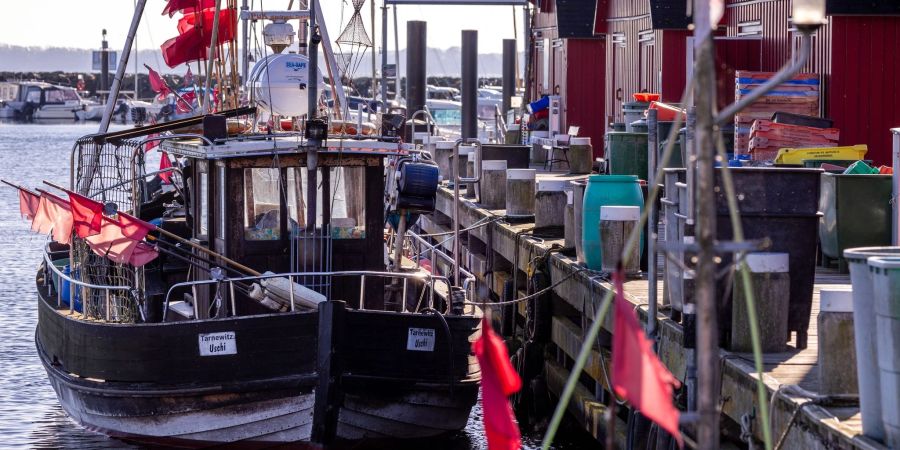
862 7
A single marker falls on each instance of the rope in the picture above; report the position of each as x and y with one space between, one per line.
529 297
477 224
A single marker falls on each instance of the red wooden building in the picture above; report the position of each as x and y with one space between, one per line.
644 45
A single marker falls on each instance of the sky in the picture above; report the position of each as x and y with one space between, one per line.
78 24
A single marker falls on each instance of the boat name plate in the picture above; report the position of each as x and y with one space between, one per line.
420 340
215 344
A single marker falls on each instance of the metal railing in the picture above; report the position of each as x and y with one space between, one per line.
73 283
424 247
428 279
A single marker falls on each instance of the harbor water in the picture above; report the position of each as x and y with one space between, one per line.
30 415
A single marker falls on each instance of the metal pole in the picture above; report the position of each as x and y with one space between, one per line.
653 222
312 156
416 44
469 84
705 294
384 49
396 54
245 42
104 63
895 191
374 72
120 70
526 35
209 57
509 73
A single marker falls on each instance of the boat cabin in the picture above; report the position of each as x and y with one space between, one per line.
248 202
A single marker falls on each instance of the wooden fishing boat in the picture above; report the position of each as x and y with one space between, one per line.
251 326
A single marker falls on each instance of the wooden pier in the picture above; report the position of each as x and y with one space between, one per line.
491 251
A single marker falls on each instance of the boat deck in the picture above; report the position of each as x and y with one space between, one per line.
491 252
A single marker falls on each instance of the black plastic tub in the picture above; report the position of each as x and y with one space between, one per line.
783 205
516 156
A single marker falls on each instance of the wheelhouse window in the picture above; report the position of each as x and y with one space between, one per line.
262 204
346 201
203 213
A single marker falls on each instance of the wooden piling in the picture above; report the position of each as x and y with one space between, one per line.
550 204
578 188
616 224
493 184
580 155
837 351
771 285
443 154
569 221
520 191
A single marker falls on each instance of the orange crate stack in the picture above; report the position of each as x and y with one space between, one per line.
767 137
799 95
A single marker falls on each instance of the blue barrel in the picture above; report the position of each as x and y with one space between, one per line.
539 105
605 190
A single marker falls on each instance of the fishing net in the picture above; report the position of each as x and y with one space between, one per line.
353 42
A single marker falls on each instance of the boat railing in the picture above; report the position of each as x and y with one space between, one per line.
429 280
422 248
75 284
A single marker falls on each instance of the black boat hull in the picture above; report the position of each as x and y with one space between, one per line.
150 382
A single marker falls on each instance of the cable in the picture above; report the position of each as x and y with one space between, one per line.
477 224
531 296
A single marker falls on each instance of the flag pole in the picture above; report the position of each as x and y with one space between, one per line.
21 188
184 241
173 90
120 70
211 54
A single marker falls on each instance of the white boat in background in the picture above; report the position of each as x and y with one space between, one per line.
43 101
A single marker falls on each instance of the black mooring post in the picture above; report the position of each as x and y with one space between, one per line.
416 47
509 74
104 63
469 84
332 319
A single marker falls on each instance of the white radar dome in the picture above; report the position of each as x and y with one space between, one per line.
279 84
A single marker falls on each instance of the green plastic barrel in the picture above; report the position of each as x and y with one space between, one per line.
856 213
626 153
605 190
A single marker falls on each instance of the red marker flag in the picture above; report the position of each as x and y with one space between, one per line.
499 380
142 254
173 6
28 203
638 375
111 242
165 163
134 228
157 83
62 221
87 214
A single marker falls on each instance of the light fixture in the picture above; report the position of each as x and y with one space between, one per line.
808 15
316 129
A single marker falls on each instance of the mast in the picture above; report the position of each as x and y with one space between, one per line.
374 72
312 148
707 326
209 59
120 70
384 49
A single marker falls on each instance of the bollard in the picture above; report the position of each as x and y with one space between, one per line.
550 203
771 285
493 184
520 192
443 153
616 224
837 351
569 221
580 156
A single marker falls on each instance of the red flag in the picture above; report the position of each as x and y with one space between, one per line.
499 380
142 254
62 219
188 78
192 43
165 163
173 6
54 216
28 203
638 375
152 144
87 214
134 228
157 83
111 242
